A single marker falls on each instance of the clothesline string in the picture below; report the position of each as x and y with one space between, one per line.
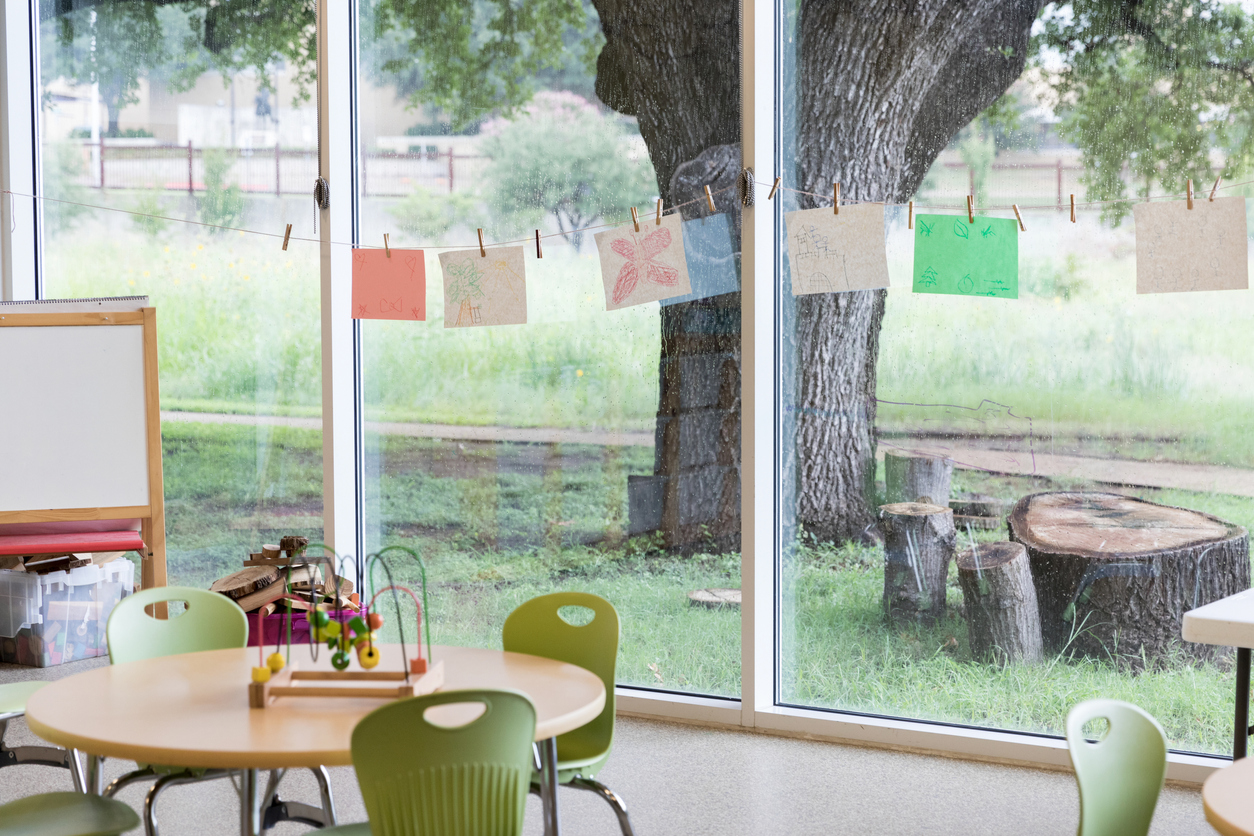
608 225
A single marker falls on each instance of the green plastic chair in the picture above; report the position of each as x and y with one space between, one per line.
536 628
211 622
1121 775
13 697
66 814
421 779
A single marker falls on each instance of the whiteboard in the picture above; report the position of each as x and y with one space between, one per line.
73 430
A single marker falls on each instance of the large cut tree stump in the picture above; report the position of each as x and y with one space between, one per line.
1114 575
918 544
1000 601
910 477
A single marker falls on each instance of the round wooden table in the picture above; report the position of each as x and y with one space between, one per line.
1228 796
192 710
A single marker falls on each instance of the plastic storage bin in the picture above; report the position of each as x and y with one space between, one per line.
50 619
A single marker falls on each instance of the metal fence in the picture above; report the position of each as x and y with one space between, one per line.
275 171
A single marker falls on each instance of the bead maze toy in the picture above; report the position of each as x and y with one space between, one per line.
277 676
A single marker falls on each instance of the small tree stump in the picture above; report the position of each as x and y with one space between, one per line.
1002 617
909 477
1114 575
918 544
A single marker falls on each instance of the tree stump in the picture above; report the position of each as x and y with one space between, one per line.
918 544
909 477
1114 575
1002 616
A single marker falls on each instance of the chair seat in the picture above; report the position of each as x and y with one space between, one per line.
66 814
358 829
13 696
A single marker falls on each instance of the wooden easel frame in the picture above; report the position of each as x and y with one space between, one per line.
152 515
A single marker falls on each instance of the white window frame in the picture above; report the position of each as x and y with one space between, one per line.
758 708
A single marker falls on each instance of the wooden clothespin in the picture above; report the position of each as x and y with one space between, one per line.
286 237
709 198
1018 217
774 188
1190 194
659 211
386 247
971 209
635 218
1214 188
835 198
539 252
1073 208
482 252
910 216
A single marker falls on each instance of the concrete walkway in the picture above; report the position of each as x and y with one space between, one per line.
1205 478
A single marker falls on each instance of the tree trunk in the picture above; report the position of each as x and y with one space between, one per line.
910 476
878 97
1000 601
918 544
1114 575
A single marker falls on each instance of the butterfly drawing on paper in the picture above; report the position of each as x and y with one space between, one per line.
641 254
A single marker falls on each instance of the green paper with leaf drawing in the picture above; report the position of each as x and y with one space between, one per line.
952 255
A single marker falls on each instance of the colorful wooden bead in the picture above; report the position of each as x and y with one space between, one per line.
320 618
376 620
332 629
368 657
364 639
261 674
357 624
339 660
275 661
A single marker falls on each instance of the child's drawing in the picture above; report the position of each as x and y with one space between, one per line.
644 266
954 255
1180 249
389 288
830 253
484 290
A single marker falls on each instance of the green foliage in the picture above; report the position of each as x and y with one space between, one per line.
470 58
151 207
562 157
222 204
429 216
67 164
1153 85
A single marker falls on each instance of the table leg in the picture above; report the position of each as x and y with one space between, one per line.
548 785
249 804
95 776
1241 726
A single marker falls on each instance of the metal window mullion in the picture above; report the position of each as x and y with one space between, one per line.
19 152
341 467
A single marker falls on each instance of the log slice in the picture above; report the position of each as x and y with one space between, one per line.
1114 575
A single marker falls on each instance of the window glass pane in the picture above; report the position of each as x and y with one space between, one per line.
1082 404
586 449
159 125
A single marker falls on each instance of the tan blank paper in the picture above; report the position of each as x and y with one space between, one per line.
1180 249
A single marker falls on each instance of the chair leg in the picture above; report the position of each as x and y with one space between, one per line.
324 793
42 755
122 781
165 781
611 798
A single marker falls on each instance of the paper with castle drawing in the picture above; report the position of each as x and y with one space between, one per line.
484 290
830 253
1180 249
644 266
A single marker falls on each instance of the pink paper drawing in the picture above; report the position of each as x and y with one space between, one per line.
644 266
389 288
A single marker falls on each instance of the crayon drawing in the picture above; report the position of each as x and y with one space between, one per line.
484 290
389 288
644 266
953 255
830 253
1180 249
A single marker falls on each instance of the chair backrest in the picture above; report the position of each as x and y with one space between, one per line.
422 779
535 627
211 622
1121 775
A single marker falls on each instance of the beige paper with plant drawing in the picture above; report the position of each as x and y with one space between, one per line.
644 266
830 253
484 290
1180 249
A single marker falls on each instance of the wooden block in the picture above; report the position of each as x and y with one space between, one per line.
261 561
271 552
246 581
12 563
263 596
293 546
